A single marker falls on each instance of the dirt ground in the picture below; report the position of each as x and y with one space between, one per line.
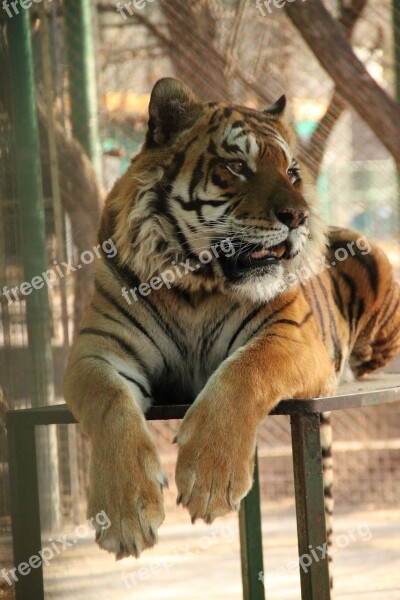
203 562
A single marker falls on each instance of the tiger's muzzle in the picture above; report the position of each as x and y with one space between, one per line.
256 257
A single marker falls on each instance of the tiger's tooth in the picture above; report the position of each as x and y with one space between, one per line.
261 253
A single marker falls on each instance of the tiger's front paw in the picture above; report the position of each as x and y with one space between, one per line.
126 483
215 461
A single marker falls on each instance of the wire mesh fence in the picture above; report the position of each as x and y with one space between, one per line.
94 64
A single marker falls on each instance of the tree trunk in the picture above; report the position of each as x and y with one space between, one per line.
193 28
81 196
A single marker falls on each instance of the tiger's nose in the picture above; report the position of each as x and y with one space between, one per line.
292 218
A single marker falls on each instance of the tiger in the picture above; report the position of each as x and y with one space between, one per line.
232 336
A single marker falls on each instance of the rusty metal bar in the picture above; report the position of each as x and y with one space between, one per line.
307 474
25 512
46 415
310 510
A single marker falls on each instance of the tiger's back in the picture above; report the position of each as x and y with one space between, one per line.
357 304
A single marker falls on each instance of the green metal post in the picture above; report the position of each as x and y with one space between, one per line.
82 77
31 210
25 515
33 238
310 507
396 41
251 550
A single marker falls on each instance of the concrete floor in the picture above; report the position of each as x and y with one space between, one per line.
203 563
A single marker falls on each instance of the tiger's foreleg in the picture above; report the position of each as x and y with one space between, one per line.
217 438
126 477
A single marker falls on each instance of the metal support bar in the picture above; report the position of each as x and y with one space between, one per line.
25 511
307 465
251 551
310 510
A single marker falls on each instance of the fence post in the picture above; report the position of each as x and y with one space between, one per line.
310 508
396 41
251 550
34 255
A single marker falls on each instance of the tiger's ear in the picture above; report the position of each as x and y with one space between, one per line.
277 109
173 108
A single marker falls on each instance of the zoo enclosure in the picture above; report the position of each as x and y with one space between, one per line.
79 116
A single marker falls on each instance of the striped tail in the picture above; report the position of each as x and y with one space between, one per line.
327 469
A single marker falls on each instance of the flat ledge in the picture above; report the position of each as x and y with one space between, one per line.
371 391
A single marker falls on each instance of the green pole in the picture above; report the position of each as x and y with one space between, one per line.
34 255
31 211
82 77
396 41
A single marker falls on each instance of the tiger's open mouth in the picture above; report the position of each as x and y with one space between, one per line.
270 254
262 257
243 262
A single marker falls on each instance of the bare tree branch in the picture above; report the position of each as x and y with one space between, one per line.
312 152
327 40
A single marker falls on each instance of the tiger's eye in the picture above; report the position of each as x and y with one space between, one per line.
294 175
236 166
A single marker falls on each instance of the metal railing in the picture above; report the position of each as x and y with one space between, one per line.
307 465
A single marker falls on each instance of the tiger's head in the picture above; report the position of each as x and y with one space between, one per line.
215 180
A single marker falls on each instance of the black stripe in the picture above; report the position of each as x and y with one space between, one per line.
197 205
243 324
97 357
352 287
139 385
227 112
256 116
360 310
106 315
217 180
337 297
184 242
319 309
393 312
124 345
293 323
127 315
237 124
388 339
126 276
324 419
197 175
175 167
209 339
271 316
367 261
213 128
230 148
212 148
332 324
283 337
